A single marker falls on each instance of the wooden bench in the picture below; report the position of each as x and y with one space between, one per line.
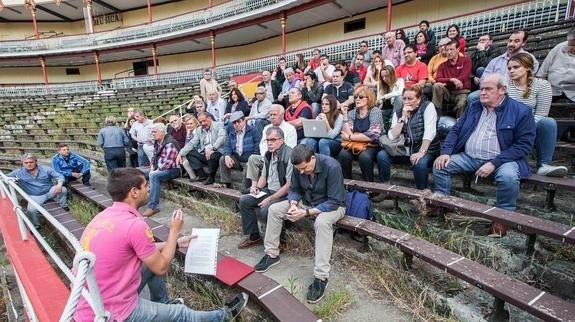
502 287
268 293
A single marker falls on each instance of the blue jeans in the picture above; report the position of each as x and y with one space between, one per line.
545 140
316 109
324 146
472 97
34 215
142 157
115 158
155 178
506 178
151 311
420 170
156 284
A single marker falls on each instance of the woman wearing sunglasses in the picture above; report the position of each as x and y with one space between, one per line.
362 126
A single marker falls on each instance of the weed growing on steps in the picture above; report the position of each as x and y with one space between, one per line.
334 303
293 286
82 210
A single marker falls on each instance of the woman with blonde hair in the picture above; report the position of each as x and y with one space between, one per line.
114 141
362 127
389 90
373 72
535 93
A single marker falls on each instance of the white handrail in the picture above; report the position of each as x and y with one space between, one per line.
84 260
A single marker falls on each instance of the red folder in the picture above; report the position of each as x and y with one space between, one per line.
231 270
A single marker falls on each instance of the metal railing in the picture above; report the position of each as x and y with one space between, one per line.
196 21
529 14
83 261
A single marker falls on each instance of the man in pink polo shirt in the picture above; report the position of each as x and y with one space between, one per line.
122 241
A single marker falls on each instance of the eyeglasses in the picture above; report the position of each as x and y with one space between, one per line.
154 132
260 93
272 140
360 97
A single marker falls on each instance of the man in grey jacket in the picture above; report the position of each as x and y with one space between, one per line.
205 148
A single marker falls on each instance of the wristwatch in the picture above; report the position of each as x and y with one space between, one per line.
293 202
307 213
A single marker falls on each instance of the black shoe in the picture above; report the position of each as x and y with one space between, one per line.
66 208
235 306
316 290
198 179
266 263
209 180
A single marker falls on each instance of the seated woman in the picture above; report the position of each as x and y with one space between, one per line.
362 125
373 72
330 145
389 92
535 93
453 33
400 34
417 121
424 50
237 102
191 123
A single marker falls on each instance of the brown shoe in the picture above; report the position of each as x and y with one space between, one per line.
150 212
247 243
498 230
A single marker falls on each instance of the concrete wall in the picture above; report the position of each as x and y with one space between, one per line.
405 14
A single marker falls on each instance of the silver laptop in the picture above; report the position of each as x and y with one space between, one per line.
315 129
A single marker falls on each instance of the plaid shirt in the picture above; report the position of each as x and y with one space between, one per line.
165 155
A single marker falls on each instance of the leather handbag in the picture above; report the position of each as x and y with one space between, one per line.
356 147
395 147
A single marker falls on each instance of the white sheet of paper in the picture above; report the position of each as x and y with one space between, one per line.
202 254
259 194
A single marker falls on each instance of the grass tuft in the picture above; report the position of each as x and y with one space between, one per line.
334 304
83 210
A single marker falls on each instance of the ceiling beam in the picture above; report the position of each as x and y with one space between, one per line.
53 13
106 5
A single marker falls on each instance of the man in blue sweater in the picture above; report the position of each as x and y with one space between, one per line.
494 136
41 184
71 165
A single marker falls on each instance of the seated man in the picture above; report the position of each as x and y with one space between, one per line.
242 142
413 71
316 191
393 49
71 165
359 67
437 60
260 111
493 137
38 182
312 91
482 55
297 110
177 130
274 183
163 166
123 243
558 69
341 89
216 106
324 70
348 75
205 148
290 82
452 83
256 162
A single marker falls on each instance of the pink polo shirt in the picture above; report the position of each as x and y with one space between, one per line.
120 239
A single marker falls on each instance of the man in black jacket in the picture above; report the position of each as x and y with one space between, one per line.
273 87
484 52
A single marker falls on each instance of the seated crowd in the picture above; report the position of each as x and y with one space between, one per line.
381 109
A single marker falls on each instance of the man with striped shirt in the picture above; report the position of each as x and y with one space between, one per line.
493 137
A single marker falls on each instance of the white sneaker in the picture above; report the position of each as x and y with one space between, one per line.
552 171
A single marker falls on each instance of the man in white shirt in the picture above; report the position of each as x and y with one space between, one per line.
324 71
216 106
141 132
208 84
260 110
559 68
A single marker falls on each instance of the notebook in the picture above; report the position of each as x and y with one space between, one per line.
315 129
202 254
231 270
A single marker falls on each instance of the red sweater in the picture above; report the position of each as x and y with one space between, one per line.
460 70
